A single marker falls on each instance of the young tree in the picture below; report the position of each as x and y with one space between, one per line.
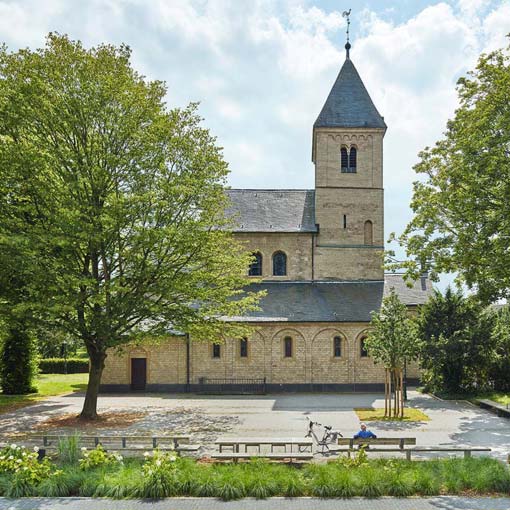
461 208
392 341
456 342
114 203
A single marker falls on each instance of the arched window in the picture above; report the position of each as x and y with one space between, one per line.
344 159
256 265
287 347
368 232
216 351
362 348
337 347
352 159
243 348
349 160
279 264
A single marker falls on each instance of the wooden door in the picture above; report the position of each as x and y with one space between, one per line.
138 374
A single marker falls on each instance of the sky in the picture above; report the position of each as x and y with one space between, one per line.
262 69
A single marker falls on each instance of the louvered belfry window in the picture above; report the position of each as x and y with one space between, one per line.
345 159
349 160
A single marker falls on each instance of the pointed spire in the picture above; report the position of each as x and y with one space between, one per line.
349 104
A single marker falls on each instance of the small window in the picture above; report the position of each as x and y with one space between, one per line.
368 232
344 159
345 220
216 351
256 265
337 347
349 160
243 347
279 264
352 159
287 345
362 349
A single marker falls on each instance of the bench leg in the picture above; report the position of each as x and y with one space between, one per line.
408 454
467 454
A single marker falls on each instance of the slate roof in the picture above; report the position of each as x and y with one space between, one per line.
262 210
416 295
348 103
328 301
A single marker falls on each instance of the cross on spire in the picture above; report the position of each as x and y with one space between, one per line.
347 14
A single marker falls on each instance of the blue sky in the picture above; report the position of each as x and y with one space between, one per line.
262 69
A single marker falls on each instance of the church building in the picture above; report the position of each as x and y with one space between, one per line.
319 255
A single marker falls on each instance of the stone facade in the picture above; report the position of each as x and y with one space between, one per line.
313 360
333 234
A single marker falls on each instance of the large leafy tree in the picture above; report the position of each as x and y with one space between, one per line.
112 205
499 372
457 351
392 341
461 203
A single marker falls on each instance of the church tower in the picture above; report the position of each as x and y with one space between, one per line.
347 151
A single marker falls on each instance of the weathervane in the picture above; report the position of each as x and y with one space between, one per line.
347 14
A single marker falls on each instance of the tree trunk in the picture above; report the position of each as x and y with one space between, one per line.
386 388
89 411
389 393
401 394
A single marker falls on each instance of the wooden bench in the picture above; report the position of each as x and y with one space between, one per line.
499 409
379 441
280 456
302 444
131 443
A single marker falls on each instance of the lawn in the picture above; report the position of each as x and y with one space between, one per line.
410 414
500 398
159 475
47 385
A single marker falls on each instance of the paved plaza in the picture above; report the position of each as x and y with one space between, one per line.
207 417
437 503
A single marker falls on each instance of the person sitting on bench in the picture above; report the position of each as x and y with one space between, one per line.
364 433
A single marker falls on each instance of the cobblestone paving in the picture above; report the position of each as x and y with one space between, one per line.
285 415
438 503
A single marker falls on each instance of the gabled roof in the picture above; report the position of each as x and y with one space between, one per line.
349 104
262 210
330 301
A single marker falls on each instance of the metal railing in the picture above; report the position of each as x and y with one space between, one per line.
233 386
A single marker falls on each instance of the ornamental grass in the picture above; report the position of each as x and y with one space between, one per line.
160 475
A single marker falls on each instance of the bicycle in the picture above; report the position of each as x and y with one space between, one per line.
329 437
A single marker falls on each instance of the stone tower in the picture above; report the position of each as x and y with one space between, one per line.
347 151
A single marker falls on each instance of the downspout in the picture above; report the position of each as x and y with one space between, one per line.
187 363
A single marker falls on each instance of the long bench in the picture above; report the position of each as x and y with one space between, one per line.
280 456
379 441
133 443
302 444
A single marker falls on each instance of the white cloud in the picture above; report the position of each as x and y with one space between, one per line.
262 69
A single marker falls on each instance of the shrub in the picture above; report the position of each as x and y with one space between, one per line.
58 366
57 485
18 361
98 457
23 465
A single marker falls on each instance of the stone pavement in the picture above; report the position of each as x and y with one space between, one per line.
437 503
207 417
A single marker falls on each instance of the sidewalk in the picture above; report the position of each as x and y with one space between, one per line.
437 503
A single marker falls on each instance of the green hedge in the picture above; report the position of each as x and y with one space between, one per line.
58 365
